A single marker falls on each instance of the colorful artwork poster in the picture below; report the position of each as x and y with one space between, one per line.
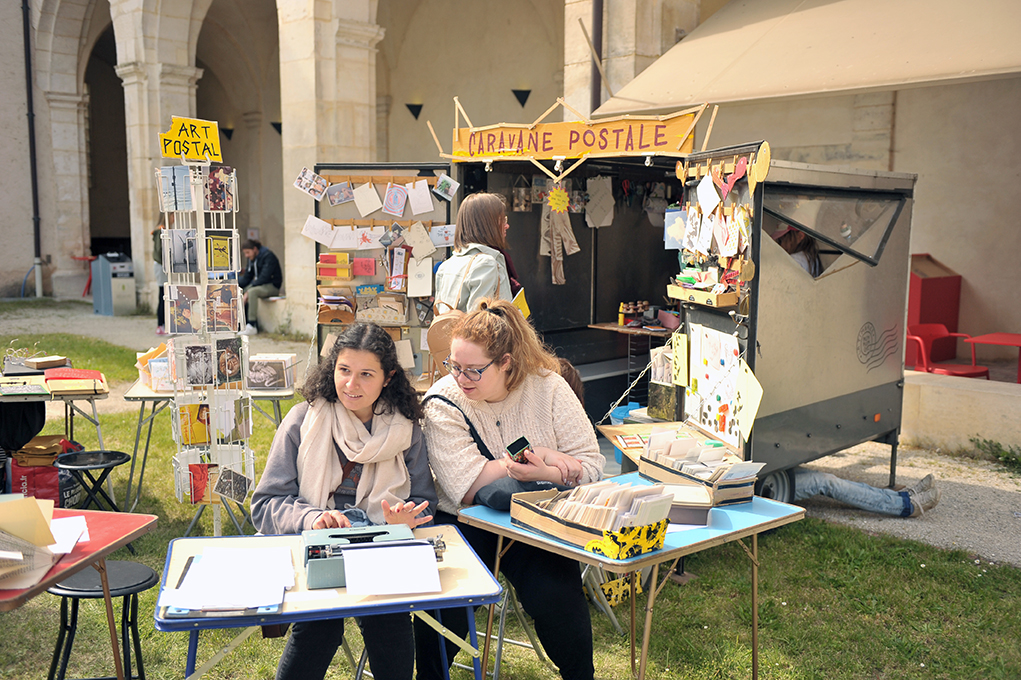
184 309
218 189
221 307
395 199
228 361
219 251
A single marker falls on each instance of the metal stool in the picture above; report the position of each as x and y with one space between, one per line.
126 579
81 463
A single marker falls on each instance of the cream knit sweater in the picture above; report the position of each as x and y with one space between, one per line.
544 409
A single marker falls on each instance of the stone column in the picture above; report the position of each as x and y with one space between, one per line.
71 191
328 111
383 128
253 189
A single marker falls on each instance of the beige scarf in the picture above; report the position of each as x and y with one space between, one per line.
381 454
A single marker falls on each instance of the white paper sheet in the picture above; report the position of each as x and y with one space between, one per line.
442 235
420 277
419 197
67 531
405 354
367 239
234 578
417 238
344 238
398 570
367 199
708 197
318 230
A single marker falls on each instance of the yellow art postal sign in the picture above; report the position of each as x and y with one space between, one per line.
192 139
574 139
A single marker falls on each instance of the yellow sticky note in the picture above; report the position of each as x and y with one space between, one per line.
749 395
680 352
28 519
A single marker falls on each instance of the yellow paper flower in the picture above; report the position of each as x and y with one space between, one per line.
558 200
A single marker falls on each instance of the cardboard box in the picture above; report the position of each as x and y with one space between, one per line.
723 493
702 297
618 545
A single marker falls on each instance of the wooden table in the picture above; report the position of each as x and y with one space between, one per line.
108 531
1003 339
464 580
726 524
632 455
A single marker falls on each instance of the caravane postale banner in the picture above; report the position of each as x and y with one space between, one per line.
192 139
632 136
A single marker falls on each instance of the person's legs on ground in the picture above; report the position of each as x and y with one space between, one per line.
310 649
390 643
808 483
254 293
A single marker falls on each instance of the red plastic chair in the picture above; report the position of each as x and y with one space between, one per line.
925 333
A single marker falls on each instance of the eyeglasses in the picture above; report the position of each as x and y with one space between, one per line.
473 374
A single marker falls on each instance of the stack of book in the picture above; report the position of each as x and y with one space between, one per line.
71 381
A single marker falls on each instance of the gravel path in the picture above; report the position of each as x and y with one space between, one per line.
980 510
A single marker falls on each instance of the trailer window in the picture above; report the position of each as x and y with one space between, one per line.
852 222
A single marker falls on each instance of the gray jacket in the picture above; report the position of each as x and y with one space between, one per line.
471 274
276 506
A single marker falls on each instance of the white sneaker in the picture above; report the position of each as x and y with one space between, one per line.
249 330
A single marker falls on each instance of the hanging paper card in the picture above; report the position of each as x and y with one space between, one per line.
558 199
420 277
708 197
541 185
680 358
599 210
344 238
340 193
749 395
397 282
369 238
691 229
318 230
396 197
442 235
419 197
312 184
705 234
674 224
366 199
727 236
446 187
364 266
418 239
405 354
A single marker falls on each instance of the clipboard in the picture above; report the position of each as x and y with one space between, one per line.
179 613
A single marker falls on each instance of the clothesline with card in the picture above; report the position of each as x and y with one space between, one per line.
400 192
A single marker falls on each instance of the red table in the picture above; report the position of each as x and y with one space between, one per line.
1006 339
107 532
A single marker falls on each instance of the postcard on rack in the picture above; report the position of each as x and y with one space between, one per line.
219 250
202 478
184 309
231 420
395 199
233 485
218 189
198 362
193 420
228 361
181 251
222 305
419 197
340 193
175 189
366 199
312 184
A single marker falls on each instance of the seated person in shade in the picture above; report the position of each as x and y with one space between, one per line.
262 278
801 247
352 455
911 502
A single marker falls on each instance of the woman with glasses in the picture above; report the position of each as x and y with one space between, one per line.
352 455
506 384
479 266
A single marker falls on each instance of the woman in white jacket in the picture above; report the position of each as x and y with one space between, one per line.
478 267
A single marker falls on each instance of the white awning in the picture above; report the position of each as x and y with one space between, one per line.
759 49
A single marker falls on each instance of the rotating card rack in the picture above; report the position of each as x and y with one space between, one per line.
212 410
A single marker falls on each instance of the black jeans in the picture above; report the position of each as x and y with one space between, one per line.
549 588
312 644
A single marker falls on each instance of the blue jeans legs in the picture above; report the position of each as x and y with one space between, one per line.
808 483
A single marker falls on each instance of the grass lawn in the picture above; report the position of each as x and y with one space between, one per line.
834 602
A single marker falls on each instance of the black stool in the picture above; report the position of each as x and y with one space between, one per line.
81 463
126 580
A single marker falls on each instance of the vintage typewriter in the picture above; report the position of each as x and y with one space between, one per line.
324 549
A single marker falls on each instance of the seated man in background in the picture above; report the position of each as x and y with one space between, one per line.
262 278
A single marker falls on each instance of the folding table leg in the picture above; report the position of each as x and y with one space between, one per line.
480 673
100 566
193 646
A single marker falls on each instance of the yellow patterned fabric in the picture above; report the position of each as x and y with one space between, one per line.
629 541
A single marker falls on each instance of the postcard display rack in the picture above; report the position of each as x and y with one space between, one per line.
379 229
212 410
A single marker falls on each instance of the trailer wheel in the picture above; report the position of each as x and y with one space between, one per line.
777 485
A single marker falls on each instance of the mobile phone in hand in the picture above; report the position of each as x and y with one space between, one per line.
516 450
